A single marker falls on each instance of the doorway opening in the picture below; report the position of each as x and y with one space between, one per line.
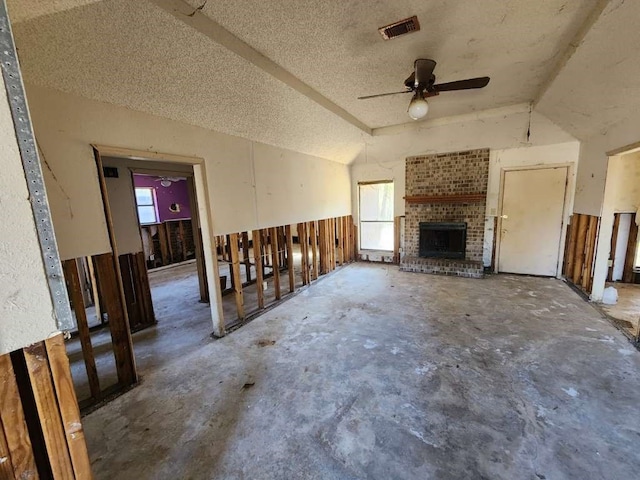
147 300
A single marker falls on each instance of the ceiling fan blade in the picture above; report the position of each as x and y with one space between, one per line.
382 94
423 68
468 84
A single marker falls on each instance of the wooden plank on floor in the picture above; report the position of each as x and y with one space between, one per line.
118 322
13 423
290 268
627 274
246 256
314 249
614 244
581 238
68 406
592 231
235 274
274 261
70 269
257 259
48 411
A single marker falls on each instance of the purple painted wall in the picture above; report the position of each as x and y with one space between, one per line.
177 192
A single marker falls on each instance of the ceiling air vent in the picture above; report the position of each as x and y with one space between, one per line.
402 27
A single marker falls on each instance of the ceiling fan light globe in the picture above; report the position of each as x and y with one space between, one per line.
418 108
165 183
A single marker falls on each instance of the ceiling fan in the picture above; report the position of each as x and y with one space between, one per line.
167 181
422 82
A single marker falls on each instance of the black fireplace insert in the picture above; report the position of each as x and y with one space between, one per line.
442 240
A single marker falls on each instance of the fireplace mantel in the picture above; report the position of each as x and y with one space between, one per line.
458 198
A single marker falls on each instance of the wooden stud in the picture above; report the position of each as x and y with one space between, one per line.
571 250
592 240
6 465
614 244
274 261
322 247
118 322
257 259
290 267
314 249
583 222
70 269
632 243
68 406
12 421
183 244
235 274
48 411
332 243
396 240
340 235
282 242
304 258
94 287
143 288
245 254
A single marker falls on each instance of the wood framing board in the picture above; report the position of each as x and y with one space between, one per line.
290 268
274 261
581 237
235 274
48 410
632 243
396 239
68 406
143 288
340 235
164 247
118 322
257 259
592 238
6 465
322 246
245 254
303 259
70 269
614 244
12 422
571 249
314 249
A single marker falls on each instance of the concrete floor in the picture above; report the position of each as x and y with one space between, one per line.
376 373
627 310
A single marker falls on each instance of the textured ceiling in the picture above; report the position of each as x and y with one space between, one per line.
599 87
134 54
335 47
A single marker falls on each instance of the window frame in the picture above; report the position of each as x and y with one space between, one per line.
360 221
154 204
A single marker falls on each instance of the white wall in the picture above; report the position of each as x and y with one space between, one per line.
26 311
621 194
249 185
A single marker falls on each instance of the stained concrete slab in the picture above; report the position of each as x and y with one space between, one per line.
376 373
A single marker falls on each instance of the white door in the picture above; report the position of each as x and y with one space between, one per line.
531 223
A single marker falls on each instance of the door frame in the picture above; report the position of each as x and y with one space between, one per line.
568 196
205 217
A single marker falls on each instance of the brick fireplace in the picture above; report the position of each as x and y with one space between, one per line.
445 200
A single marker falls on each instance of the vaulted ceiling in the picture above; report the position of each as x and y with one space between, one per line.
288 73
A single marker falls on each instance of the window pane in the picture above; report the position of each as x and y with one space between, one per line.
376 202
376 236
147 214
144 196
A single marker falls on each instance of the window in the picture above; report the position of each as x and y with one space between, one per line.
376 216
146 202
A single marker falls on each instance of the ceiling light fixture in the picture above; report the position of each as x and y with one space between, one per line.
418 107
